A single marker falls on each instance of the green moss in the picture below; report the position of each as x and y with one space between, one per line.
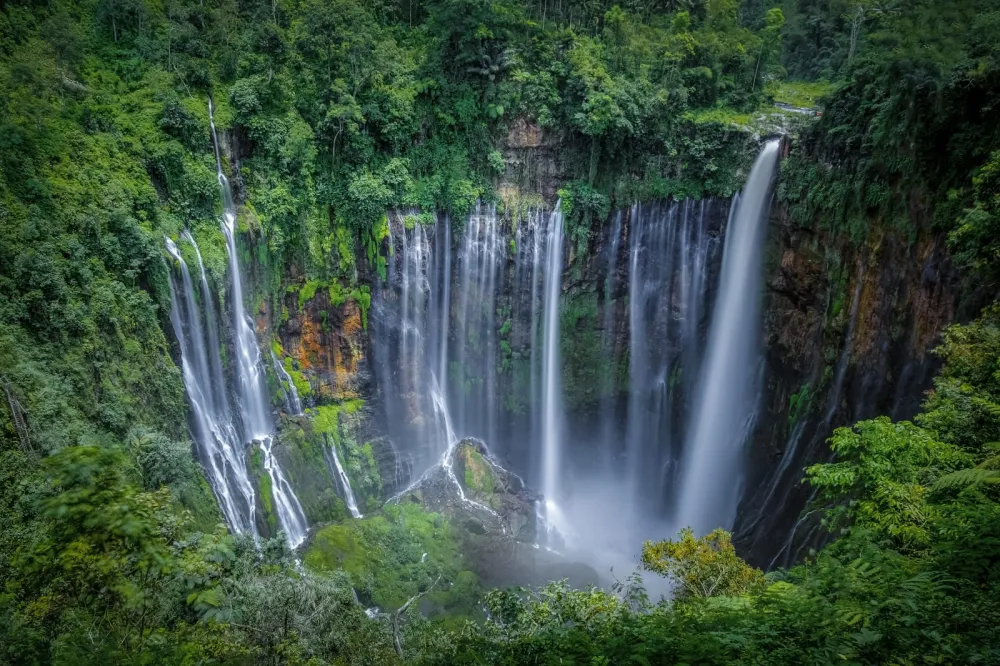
308 290
304 461
384 557
373 243
338 547
369 454
804 94
363 297
324 420
337 294
798 404
478 475
582 351
337 425
302 386
264 488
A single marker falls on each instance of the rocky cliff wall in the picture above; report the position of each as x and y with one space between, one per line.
849 333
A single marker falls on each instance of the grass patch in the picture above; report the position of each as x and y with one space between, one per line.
803 94
719 115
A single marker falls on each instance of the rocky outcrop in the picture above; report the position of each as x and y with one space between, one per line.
532 160
496 517
472 487
322 342
327 341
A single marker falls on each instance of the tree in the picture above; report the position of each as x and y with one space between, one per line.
880 477
702 567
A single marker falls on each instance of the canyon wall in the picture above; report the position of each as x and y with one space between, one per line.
848 332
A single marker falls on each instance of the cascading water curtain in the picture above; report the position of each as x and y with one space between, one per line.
217 438
221 441
712 459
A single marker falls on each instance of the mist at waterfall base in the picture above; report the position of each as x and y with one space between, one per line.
467 344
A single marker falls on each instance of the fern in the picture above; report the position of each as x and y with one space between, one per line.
967 477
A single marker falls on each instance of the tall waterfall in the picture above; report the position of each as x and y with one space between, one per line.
447 332
219 445
212 329
724 405
249 371
254 413
409 320
670 250
551 399
469 342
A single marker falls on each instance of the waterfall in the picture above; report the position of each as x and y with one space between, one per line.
254 411
292 402
218 443
670 250
345 483
711 463
212 328
609 379
551 399
437 320
473 395
291 517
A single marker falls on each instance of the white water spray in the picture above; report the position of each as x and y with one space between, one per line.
345 484
292 401
291 517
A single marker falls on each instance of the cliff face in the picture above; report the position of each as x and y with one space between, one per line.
327 342
847 334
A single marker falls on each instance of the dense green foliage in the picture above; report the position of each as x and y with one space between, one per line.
111 548
906 141
393 556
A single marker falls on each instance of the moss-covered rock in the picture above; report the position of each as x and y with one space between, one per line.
307 468
340 426
478 475
581 349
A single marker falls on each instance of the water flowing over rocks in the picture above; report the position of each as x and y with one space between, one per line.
496 515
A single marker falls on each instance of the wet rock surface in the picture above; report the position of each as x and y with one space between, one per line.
494 512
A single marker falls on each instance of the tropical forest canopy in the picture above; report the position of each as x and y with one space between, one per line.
112 549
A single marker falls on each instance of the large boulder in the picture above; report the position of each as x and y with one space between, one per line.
496 517
474 489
